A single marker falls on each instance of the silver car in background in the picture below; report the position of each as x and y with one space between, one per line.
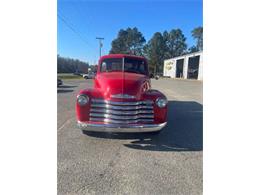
90 75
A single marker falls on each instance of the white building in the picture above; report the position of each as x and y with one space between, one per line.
189 66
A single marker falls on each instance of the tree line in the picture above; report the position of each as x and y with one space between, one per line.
161 46
69 65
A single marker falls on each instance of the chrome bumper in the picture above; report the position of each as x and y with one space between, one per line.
120 128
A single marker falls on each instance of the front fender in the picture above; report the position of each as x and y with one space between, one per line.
160 114
82 112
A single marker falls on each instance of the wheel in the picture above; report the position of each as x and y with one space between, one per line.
154 132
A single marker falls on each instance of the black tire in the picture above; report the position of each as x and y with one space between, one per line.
155 132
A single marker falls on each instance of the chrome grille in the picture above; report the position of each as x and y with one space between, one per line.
121 112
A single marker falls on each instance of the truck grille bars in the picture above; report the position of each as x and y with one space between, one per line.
112 112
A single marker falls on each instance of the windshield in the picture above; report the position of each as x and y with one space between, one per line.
132 65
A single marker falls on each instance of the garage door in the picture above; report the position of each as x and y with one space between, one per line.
179 68
193 67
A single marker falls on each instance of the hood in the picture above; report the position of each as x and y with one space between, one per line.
115 84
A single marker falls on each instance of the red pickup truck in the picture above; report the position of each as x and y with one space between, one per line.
122 99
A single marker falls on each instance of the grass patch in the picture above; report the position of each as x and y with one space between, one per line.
69 76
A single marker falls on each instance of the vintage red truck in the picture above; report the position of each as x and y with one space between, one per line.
121 99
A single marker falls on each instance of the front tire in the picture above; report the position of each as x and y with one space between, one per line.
155 132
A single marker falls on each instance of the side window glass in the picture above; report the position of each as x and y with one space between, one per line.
103 67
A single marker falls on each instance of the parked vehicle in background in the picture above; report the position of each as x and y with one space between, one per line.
90 75
77 73
158 75
154 76
59 82
122 99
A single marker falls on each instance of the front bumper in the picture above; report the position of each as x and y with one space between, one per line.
134 128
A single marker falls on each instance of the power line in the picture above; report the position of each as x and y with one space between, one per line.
71 28
70 25
88 19
78 10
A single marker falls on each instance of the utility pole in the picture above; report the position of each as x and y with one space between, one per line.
100 44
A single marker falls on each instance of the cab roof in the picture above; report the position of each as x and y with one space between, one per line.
121 56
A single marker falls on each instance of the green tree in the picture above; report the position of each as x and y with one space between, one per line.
166 46
197 33
192 49
129 41
68 65
175 42
155 50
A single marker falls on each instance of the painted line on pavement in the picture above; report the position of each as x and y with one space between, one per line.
63 125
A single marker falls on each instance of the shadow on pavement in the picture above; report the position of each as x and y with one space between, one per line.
184 131
67 86
64 90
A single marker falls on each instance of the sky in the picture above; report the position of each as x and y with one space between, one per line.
81 21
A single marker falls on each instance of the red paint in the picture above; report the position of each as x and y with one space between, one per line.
110 83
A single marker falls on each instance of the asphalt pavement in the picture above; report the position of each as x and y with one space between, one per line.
103 163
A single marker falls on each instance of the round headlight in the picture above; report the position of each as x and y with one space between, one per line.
161 102
82 100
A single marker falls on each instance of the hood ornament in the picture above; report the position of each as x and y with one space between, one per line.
124 96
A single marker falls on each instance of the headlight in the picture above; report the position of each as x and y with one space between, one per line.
82 100
161 102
